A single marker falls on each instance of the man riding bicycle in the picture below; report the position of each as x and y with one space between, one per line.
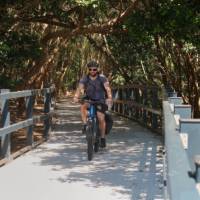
96 87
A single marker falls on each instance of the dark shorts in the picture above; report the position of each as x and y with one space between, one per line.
102 107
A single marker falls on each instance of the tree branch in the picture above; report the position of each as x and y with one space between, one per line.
105 28
48 19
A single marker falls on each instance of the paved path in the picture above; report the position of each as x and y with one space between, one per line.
131 169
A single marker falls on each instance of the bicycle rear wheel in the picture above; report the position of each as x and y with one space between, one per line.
97 140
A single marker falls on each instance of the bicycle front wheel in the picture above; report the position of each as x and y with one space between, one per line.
90 147
89 137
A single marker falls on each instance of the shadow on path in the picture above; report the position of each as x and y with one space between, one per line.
131 167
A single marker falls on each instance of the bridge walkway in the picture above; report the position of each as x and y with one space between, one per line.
130 169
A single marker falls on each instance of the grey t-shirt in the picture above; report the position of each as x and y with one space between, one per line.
94 88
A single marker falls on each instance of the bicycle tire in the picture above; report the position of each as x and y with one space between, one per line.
90 147
89 138
97 139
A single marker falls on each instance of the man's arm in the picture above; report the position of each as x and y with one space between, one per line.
108 90
79 91
109 94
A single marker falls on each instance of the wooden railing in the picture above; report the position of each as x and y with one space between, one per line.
7 129
140 103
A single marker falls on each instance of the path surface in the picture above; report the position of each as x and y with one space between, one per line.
131 169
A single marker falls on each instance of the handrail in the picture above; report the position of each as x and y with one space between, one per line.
25 93
140 103
179 149
132 103
7 129
180 185
23 124
135 86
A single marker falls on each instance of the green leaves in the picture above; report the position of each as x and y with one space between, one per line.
25 23
87 2
17 47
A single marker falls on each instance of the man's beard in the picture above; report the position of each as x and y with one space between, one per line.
93 75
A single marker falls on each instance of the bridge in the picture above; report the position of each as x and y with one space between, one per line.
152 151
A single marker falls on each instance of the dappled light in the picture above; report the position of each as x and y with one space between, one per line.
131 167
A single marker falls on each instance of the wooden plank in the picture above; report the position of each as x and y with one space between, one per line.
13 95
24 93
23 124
135 86
134 104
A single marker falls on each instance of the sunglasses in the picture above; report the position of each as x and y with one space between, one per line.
94 70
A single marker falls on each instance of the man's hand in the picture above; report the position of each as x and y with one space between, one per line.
78 92
109 103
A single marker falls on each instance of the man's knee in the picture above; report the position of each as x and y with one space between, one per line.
101 117
84 107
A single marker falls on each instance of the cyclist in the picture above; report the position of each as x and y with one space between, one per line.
96 87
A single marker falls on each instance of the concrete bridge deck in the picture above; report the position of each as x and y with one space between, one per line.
130 169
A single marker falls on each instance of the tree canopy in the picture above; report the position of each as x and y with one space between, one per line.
152 42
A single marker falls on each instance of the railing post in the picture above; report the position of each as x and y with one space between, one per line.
180 185
115 97
140 101
47 103
154 106
125 106
5 121
170 91
53 102
192 128
29 114
144 103
123 91
184 111
120 108
197 166
136 91
132 99
128 98
176 100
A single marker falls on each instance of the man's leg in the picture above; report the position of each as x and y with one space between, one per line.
102 127
84 115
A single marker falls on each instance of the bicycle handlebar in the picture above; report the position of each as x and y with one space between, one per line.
92 101
80 100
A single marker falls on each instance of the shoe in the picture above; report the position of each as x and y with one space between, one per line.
84 128
103 142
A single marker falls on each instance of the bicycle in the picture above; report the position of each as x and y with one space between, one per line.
92 126
92 129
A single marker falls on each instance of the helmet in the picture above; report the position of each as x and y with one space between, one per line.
92 64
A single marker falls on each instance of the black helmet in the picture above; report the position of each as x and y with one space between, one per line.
92 64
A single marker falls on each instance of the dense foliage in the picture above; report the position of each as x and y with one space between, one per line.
149 41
